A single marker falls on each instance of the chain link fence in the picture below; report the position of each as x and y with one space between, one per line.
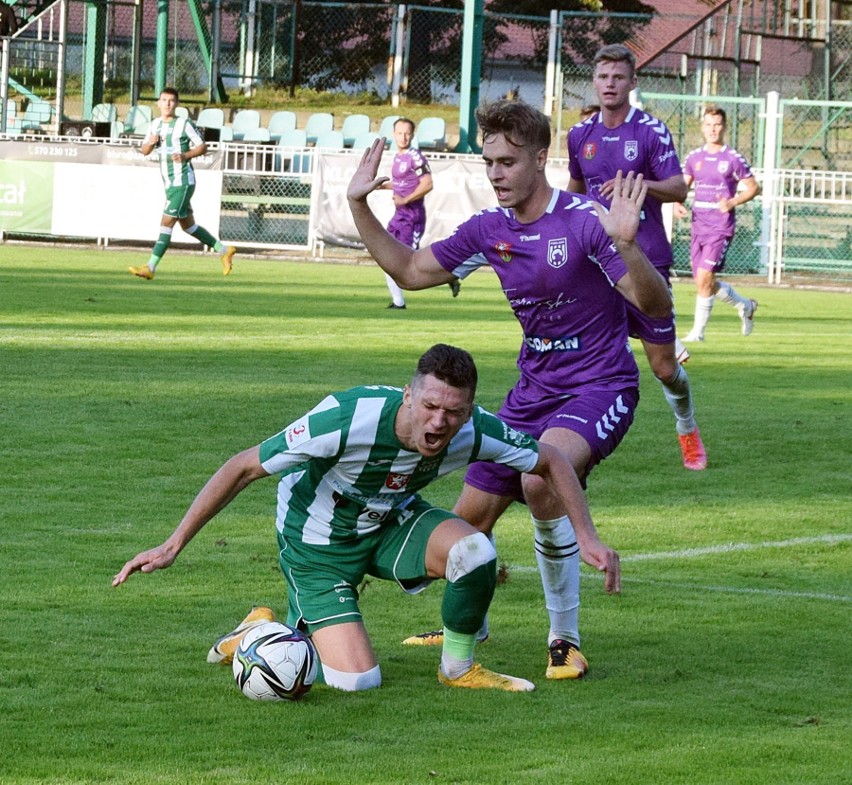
360 48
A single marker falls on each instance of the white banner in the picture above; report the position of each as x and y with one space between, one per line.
461 188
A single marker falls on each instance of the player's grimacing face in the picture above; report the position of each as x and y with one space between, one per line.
512 171
613 83
436 413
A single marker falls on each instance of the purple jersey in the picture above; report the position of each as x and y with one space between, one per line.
559 274
641 144
407 169
715 176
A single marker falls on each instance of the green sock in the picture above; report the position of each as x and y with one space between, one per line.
459 645
160 247
466 600
203 236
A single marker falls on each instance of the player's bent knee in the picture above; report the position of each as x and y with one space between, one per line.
352 682
467 554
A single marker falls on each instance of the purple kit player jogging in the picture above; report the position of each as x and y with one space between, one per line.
577 368
723 180
409 220
715 177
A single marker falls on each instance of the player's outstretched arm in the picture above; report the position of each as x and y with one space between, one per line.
235 474
409 268
556 470
643 285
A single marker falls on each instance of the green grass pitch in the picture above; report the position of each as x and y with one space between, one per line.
725 661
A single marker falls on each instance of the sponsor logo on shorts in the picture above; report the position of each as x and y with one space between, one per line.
568 343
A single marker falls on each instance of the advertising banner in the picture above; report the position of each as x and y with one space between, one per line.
26 196
461 188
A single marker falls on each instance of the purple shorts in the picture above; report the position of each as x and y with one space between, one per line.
708 253
408 225
601 417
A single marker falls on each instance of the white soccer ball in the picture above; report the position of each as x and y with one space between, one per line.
275 662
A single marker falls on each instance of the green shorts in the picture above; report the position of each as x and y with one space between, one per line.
323 580
178 200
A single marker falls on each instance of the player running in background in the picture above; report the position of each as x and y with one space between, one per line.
622 137
348 506
722 180
566 267
178 142
410 181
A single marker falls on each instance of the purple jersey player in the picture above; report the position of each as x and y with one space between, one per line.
410 181
722 179
623 137
566 267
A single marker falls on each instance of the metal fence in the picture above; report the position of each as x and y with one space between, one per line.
413 53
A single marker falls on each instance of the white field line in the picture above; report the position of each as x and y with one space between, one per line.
688 553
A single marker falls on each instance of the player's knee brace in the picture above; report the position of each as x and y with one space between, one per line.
469 553
352 682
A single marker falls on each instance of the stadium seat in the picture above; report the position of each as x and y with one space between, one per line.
354 125
432 133
245 120
226 133
181 111
330 140
294 140
13 122
279 123
38 114
137 120
104 113
363 141
211 117
386 128
318 123
254 135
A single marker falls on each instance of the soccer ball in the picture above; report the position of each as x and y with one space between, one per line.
275 662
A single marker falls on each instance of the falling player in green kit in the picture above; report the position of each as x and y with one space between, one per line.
348 506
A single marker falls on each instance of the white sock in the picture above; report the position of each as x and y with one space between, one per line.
352 682
395 291
727 294
703 307
558 557
679 396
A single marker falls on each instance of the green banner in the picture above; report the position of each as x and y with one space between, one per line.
26 196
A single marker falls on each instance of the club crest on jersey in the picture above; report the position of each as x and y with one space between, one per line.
631 150
504 251
557 252
403 167
723 167
396 481
590 149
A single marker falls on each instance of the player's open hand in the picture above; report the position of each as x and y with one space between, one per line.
621 223
605 560
155 559
364 181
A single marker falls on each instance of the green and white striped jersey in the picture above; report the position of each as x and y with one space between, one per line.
176 135
345 472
